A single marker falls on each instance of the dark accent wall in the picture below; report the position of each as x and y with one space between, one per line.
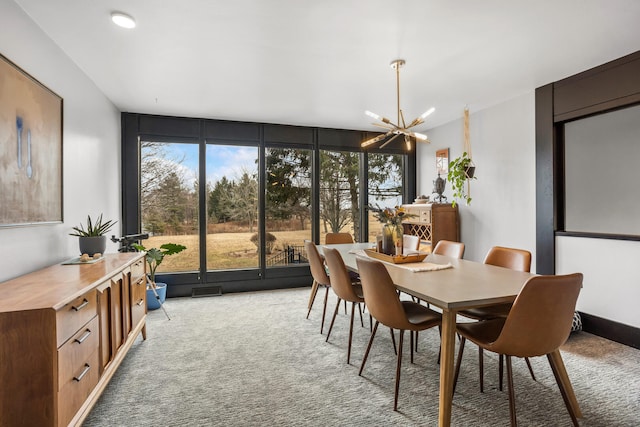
608 87
613 85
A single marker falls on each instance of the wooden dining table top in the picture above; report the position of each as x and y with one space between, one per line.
466 284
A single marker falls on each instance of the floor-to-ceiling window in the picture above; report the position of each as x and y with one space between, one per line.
339 193
232 207
243 197
385 178
287 205
169 200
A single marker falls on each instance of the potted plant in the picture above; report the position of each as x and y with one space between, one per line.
93 241
461 170
157 292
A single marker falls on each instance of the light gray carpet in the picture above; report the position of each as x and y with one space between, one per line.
252 359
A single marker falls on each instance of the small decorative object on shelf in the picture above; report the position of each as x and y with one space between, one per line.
92 239
438 188
391 219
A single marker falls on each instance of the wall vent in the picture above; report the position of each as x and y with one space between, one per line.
211 291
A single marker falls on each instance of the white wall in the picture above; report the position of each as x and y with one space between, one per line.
91 148
611 285
502 211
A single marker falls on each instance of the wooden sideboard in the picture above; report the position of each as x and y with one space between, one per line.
433 222
64 330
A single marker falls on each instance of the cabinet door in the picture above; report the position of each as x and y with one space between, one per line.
104 317
126 302
116 312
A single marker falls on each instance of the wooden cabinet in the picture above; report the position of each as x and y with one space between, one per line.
433 222
64 330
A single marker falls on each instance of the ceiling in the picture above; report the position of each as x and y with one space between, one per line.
324 63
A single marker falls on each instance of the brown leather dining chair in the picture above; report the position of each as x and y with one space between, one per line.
337 238
386 307
320 278
343 287
537 325
449 248
514 259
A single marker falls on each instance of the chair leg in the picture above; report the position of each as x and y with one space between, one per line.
500 370
458 363
512 394
312 297
345 306
526 359
563 391
393 339
398 365
324 310
481 369
360 311
411 344
366 353
416 344
335 312
353 309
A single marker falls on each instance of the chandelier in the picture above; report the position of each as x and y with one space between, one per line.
395 130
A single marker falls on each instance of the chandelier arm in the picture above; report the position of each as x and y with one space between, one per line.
375 139
385 126
391 139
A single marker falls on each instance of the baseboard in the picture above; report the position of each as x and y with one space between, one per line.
614 331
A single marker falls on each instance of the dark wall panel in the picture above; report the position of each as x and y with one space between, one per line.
288 134
169 126
602 88
231 131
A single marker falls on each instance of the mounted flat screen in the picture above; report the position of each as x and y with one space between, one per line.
602 173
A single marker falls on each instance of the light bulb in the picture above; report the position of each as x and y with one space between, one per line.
374 115
123 20
428 112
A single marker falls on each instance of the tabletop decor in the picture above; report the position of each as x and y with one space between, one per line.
92 239
391 219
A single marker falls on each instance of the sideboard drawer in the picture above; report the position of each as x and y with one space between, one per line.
74 315
75 352
73 394
137 270
138 301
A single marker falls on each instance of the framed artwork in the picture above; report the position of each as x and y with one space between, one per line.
31 149
442 162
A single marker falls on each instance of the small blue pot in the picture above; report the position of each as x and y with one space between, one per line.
152 300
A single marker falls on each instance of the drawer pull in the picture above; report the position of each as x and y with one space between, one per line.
140 302
83 337
85 302
83 373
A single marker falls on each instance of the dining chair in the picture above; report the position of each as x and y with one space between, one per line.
514 259
320 278
410 242
344 288
537 325
387 308
337 238
449 248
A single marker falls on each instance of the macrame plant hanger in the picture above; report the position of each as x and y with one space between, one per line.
467 145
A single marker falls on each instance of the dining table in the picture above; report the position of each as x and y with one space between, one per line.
462 285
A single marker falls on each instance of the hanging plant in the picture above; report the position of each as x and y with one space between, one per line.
461 170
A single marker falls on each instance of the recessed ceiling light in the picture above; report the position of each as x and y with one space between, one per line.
123 20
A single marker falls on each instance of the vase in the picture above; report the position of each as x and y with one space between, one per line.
153 302
391 238
91 245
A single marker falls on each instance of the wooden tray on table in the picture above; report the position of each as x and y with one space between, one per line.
396 259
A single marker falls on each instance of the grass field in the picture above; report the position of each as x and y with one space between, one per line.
231 249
